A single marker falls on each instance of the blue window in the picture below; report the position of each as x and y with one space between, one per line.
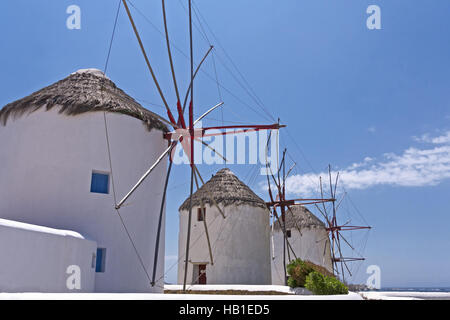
100 260
100 183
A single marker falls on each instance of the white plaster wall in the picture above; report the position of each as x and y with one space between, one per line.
311 244
240 245
34 259
45 175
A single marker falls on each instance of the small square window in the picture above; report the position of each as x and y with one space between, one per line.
100 183
288 233
201 214
100 260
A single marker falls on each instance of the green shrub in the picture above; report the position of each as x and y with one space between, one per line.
319 284
320 269
298 270
292 283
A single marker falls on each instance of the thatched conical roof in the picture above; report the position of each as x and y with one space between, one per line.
299 217
86 90
226 189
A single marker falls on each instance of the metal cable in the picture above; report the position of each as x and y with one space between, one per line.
109 152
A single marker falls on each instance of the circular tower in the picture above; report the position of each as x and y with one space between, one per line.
239 250
68 153
308 238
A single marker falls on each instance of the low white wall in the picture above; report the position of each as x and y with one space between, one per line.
36 259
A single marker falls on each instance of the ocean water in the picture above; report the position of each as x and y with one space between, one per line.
424 293
416 289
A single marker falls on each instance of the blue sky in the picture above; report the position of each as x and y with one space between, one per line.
373 103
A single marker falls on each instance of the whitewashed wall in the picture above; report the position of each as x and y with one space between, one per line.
45 175
311 244
240 245
36 259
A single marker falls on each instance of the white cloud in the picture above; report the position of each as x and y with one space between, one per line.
414 167
442 139
371 129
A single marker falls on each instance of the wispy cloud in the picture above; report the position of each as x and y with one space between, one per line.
426 165
371 129
442 139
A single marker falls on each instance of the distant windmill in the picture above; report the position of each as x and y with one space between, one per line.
284 204
335 229
332 226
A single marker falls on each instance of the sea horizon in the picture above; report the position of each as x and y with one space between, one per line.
415 289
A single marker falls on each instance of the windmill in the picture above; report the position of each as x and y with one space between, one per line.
332 227
184 130
335 229
284 204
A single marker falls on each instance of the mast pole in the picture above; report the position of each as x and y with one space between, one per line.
191 129
158 232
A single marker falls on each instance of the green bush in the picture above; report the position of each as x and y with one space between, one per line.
319 284
320 269
298 270
292 283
